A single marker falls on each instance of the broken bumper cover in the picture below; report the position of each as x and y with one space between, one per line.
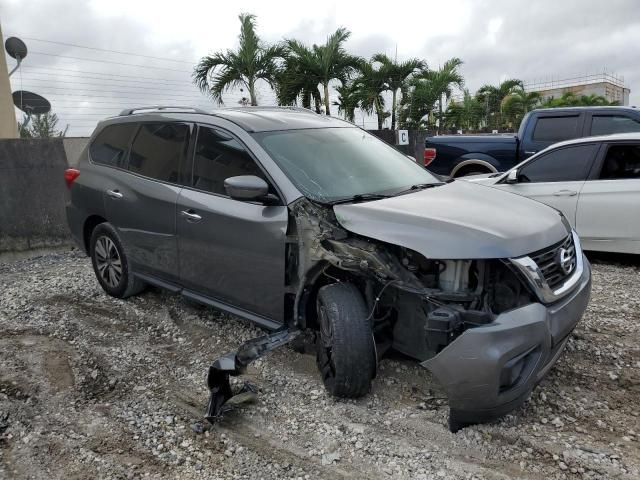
490 370
234 364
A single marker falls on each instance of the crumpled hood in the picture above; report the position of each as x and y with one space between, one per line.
458 220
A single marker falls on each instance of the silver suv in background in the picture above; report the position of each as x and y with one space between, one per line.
298 221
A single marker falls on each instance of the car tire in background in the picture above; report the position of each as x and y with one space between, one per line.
345 347
110 263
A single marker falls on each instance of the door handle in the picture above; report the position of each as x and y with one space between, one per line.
565 193
530 152
114 194
191 216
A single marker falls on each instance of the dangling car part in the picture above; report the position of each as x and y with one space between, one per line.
234 364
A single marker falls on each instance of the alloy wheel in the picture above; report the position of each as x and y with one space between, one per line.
108 261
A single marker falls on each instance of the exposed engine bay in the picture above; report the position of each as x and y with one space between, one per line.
418 305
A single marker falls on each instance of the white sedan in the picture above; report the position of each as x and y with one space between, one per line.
594 182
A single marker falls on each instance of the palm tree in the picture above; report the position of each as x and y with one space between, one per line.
335 62
397 74
492 97
370 84
321 64
348 101
443 81
466 114
299 77
570 99
516 105
253 61
418 99
594 100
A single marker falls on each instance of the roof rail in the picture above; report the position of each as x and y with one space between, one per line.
131 111
271 107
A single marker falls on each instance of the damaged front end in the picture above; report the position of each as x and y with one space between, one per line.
484 327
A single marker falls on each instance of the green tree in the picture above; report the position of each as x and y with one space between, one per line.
370 85
492 97
299 77
319 64
348 100
466 114
517 104
443 81
395 75
570 99
252 61
41 126
419 97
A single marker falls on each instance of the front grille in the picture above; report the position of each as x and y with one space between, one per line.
557 262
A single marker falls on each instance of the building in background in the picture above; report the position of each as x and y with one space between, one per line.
606 85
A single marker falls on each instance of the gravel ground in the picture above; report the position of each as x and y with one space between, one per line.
94 387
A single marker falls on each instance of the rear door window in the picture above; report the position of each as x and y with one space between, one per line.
219 156
555 129
621 162
111 145
608 124
158 150
563 165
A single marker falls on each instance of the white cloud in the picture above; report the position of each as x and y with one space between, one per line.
496 39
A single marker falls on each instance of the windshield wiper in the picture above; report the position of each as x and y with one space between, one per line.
360 197
420 186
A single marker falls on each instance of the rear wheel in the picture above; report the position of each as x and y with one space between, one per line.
345 349
110 263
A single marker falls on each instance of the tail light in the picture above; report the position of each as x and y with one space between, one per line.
70 174
429 156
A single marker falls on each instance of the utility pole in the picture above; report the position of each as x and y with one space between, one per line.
8 125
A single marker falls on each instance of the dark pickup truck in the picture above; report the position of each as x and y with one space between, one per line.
461 155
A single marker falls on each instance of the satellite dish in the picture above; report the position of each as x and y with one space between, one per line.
31 103
16 48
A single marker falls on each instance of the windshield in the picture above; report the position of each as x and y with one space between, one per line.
330 164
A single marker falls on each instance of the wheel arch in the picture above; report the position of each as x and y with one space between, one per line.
90 224
320 275
486 162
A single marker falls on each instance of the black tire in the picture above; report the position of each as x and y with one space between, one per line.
119 285
345 350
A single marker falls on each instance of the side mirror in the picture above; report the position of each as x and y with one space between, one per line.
512 176
246 188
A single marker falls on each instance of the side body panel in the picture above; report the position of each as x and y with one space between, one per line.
560 195
608 215
144 216
84 199
499 151
235 252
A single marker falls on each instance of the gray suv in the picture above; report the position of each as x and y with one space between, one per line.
302 222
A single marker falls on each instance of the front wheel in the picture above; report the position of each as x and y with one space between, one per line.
345 349
111 264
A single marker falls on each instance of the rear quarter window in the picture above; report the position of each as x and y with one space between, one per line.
554 129
158 150
111 145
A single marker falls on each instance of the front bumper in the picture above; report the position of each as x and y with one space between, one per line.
490 370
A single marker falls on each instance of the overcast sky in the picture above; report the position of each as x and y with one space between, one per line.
530 40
